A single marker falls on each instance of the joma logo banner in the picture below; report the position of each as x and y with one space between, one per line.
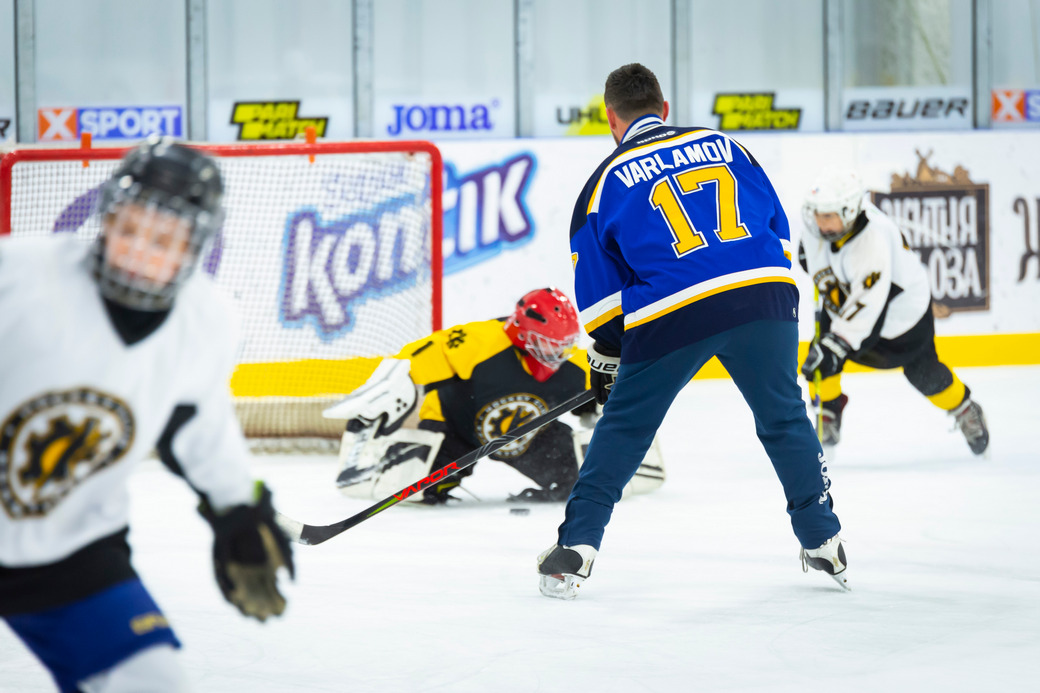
332 267
441 118
945 218
485 211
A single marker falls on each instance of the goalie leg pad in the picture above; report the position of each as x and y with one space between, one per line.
648 477
386 464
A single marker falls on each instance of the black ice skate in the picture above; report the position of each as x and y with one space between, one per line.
562 569
828 557
830 433
968 417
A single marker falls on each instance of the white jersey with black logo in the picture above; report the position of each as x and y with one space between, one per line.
865 272
78 407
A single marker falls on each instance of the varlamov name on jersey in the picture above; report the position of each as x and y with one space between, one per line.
78 405
649 167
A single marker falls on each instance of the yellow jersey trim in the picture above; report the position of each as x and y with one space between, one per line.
707 294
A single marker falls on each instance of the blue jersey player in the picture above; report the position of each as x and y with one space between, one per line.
681 252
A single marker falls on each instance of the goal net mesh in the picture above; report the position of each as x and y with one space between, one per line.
330 262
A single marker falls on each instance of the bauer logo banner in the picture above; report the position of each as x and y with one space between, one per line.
906 108
273 120
945 218
109 122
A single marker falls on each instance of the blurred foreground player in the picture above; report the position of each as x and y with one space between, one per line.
480 380
681 252
111 351
877 306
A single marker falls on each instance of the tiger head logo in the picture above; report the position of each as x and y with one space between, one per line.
503 415
53 442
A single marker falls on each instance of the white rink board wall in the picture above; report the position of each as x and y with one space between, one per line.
970 202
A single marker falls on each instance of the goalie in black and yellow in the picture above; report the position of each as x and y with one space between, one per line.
475 382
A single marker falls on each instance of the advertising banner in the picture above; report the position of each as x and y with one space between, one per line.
109 122
259 120
907 108
8 128
764 109
479 116
1015 108
563 115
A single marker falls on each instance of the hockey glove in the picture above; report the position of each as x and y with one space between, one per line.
248 550
827 356
385 399
604 362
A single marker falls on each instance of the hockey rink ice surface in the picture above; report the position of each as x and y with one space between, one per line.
698 586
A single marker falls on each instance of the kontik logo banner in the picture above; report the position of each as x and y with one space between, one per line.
945 218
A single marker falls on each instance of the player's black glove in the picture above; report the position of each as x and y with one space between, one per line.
604 362
826 355
248 550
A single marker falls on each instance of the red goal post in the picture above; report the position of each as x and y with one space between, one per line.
331 250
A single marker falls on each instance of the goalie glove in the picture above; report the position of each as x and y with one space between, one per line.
386 398
248 550
827 356
604 362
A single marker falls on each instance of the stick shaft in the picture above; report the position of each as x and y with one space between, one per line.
817 398
315 534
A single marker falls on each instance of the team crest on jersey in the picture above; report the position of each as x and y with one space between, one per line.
55 441
505 414
831 290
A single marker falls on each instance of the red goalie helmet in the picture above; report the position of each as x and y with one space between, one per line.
544 326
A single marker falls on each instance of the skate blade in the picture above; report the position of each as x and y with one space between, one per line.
559 586
840 578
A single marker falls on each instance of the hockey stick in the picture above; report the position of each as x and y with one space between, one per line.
315 534
817 399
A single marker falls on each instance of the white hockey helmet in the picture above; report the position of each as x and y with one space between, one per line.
835 191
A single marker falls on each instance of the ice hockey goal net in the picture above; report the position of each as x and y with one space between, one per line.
331 251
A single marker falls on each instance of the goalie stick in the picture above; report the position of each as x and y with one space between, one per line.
310 535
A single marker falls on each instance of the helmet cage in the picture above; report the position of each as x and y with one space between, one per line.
550 352
133 287
140 181
545 325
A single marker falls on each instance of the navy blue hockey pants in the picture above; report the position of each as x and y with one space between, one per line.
761 357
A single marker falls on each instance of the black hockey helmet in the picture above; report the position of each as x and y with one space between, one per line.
168 177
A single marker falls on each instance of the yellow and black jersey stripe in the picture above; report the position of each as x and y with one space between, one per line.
477 382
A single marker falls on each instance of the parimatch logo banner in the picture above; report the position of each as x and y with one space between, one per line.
945 218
